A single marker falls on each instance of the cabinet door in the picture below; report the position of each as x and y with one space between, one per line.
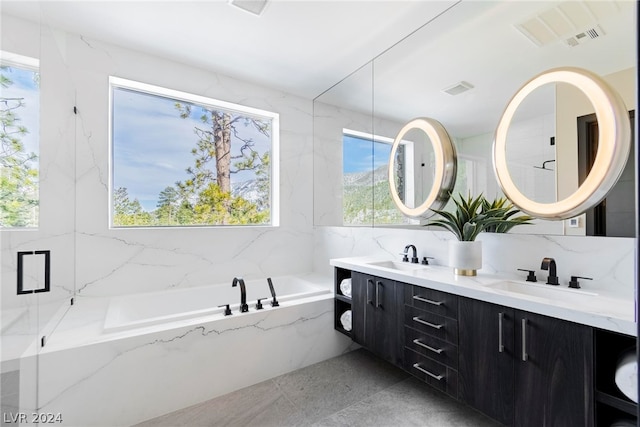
486 365
554 372
385 321
361 305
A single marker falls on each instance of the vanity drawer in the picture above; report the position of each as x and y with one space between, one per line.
431 347
432 324
431 372
437 302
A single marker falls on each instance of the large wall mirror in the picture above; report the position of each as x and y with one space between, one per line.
461 69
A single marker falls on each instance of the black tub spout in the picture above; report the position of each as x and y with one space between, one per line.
244 307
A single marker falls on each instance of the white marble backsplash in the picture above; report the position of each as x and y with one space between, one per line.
609 261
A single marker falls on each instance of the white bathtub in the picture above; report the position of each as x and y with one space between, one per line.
164 351
152 308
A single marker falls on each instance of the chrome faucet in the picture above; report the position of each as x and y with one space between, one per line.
550 264
243 293
414 258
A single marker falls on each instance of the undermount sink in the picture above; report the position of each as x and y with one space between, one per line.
395 265
544 291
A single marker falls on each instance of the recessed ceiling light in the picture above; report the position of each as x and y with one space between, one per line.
255 7
458 88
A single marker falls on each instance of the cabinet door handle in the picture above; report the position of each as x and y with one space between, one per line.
428 301
369 300
423 345
424 371
424 322
525 356
500 343
378 286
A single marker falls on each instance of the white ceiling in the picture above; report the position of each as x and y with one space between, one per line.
305 47
302 47
477 42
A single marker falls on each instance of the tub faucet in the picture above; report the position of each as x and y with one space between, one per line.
414 258
274 302
550 264
243 293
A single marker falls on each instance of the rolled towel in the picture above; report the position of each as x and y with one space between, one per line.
345 287
345 320
627 375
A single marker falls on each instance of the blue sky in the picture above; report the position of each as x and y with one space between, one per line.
357 155
25 87
152 144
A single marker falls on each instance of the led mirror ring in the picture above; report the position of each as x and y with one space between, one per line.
444 177
614 142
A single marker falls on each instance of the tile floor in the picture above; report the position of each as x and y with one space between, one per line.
9 394
355 389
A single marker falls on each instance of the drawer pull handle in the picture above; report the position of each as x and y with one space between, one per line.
424 371
378 286
423 345
500 343
525 356
424 322
369 300
428 301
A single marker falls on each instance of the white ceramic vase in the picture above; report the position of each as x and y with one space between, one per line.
465 257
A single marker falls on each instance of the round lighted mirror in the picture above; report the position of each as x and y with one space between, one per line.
422 168
611 156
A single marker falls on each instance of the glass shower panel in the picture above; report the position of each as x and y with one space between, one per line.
37 238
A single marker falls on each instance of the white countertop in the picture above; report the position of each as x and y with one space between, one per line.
600 311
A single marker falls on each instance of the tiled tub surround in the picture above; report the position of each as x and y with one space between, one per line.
604 310
95 378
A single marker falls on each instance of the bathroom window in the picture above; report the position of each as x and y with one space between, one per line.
185 160
365 189
19 134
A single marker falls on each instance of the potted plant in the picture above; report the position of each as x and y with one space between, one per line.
473 215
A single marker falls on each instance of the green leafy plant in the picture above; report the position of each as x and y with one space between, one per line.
508 220
474 215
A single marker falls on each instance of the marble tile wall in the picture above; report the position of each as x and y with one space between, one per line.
609 261
101 261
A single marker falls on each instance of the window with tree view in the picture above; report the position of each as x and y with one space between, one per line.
19 134
185 160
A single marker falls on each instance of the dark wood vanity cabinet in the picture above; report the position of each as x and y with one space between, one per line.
431 337
376 315
525 369
486 362
519 368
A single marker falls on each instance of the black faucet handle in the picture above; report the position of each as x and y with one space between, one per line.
405 257
259 303
531 276
227 310
573 283
425 260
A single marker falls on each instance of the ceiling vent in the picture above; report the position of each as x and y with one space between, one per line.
571 23
255 7
584 36
458 88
